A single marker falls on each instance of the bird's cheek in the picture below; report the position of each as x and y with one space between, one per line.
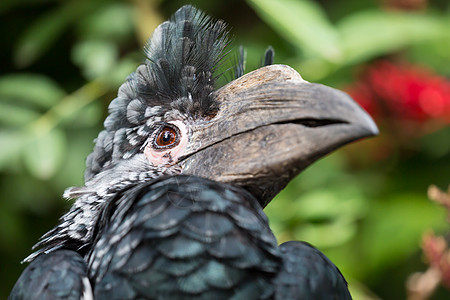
157 158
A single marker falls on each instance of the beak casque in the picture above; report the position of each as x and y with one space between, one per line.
271 124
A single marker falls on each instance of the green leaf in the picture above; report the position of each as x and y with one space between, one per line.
436 144
302 23
43 32
371 33
326 235
44 155
13 115
114 21
432 54
95 57
79 145
121 70
335 202
332 215
323 171
87 116
12 142
31 88
394 228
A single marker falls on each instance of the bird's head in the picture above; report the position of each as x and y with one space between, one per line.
258 131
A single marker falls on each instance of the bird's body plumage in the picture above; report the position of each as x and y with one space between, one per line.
185 238
172 206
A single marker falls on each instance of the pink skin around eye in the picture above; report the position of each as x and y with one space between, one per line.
169 156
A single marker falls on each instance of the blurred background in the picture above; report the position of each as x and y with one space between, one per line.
365 206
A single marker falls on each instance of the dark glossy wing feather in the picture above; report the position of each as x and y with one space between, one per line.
58 275
308 274
185 238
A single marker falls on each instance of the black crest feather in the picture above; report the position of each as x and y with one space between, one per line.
183 55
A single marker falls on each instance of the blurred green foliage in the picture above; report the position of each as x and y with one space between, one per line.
63 61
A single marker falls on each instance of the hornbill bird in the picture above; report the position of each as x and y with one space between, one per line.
172 206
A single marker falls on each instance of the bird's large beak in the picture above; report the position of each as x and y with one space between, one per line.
271 124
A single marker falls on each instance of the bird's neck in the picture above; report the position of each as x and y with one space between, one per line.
75 229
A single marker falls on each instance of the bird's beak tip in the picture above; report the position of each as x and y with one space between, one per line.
367 125
372 127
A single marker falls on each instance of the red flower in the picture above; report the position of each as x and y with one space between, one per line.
403 92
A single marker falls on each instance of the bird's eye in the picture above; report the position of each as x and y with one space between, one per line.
167 137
